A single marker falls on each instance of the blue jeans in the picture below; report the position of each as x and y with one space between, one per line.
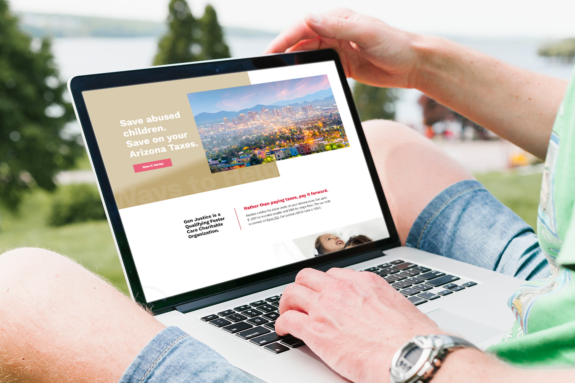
464 222
175 357
467 223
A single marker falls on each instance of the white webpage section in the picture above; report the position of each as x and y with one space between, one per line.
171 263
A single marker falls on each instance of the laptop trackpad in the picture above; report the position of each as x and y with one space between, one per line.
472 330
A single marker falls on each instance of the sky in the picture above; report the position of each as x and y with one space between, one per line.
486 18
242 97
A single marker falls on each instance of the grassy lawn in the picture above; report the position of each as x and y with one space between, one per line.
91 244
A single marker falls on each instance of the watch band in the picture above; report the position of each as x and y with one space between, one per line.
434 350
451 342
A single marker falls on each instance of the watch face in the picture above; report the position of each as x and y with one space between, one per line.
409 357
413 355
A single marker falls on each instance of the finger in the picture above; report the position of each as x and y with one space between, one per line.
363 277
313 279
288 38
306 45
339 28
296 297
293 322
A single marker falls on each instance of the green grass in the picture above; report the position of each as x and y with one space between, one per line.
83 162
91 243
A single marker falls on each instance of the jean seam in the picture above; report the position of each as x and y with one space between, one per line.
160 357
441 208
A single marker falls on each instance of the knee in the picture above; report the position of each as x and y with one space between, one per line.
375 125
30 262
385 132
29 273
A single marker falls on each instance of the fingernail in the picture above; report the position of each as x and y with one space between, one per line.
316 19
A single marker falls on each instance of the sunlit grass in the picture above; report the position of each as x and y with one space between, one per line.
89 243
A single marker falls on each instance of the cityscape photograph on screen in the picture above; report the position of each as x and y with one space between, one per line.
275 121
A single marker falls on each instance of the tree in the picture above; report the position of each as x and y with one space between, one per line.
212 40
255 160
373 102
563 50
33 114
181 43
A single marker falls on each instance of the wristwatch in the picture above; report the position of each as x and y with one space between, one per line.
418 360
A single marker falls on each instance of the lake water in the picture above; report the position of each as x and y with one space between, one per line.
93 55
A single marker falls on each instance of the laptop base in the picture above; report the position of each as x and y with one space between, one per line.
479 314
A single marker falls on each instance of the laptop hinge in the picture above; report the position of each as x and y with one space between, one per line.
273 282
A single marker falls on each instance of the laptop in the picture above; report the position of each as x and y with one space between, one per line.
222 179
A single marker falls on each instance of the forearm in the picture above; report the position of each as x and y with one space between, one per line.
472 366
514 103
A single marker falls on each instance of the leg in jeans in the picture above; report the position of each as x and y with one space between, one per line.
438 207
61 323
411 168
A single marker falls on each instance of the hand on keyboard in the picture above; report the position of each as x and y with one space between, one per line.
354 321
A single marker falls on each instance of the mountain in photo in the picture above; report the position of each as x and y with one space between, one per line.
310 97
318 98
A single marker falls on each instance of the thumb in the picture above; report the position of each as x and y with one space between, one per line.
339 28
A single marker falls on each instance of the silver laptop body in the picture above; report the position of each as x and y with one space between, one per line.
143 227
479 314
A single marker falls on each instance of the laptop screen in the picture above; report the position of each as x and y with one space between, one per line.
229 175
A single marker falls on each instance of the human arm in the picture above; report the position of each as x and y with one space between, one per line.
355 322
516 104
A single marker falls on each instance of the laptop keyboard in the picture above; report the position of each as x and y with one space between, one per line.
255 322
419 284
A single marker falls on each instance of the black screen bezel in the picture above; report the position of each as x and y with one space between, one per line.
79 84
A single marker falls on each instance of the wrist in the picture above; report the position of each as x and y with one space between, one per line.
435 57
468 362
421 357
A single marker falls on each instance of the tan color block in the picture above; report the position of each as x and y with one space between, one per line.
189 173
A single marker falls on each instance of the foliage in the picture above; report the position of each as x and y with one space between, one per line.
181 43
212 39
564 49
374 103
76 203
33 114
255 160
188 39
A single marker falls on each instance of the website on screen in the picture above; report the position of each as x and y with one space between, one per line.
224 176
